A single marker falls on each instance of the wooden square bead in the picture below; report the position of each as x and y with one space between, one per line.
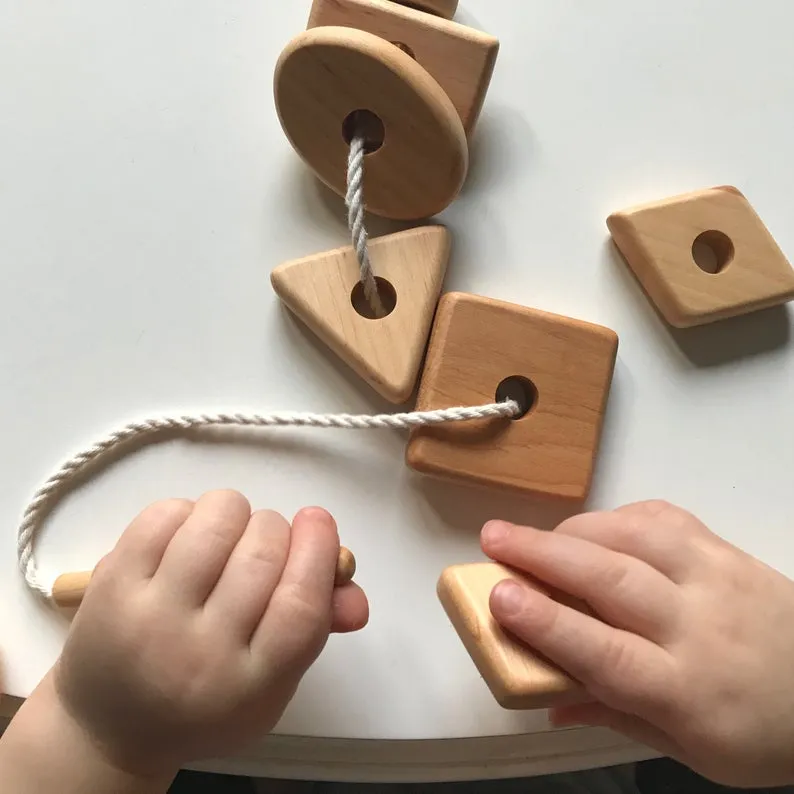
561 369
517 677
460 58
741 268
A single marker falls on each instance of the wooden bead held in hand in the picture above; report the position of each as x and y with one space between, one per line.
69 589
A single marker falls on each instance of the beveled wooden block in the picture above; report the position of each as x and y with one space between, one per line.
745 270
560 366
387 352
517 677
442 8
460 58
329 78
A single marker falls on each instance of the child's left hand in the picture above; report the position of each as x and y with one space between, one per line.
195 633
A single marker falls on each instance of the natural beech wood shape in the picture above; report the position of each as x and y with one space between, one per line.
326 74
476 344
69 589
460 58
657 242
387 352
517 677
442 8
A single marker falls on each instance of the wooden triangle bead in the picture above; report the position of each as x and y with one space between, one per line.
387 353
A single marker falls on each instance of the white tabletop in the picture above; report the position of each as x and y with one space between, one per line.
146 191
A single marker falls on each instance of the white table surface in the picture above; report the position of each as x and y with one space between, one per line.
146 191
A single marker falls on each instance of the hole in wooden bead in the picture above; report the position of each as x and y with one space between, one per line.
712 251
388 297
401 45
366 123
520 389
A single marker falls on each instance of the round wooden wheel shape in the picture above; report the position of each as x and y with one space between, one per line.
332 80
441 8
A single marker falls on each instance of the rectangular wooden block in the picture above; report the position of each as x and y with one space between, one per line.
517 677
460 58
662 242
564 365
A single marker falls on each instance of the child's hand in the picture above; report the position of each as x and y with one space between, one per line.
196 630
695 654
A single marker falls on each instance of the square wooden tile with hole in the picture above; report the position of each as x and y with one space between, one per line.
703 256
460 58
558 368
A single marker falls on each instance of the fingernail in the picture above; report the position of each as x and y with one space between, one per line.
495 532
509 598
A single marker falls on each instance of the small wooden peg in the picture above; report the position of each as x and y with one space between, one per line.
461 59
69 589
517 677
558 369
330 78
703 256
387 352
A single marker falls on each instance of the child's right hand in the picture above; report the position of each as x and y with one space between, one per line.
196 630
694 650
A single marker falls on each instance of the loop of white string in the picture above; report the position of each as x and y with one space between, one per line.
355 220
65 478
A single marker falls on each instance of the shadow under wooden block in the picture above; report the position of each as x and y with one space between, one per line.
323 291
703 256
558 368
517 677
460 59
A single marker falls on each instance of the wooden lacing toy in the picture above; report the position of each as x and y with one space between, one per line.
380 101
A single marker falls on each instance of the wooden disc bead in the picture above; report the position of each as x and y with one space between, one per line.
332 80
441 8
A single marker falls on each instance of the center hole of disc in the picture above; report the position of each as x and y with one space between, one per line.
519 389
386 292
712 251
367 124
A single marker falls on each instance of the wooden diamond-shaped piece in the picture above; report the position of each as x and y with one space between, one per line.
703 256
517 677
386 352
483 350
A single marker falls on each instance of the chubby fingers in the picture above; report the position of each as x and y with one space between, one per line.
617 667
624 591
299 616
655 532
350 609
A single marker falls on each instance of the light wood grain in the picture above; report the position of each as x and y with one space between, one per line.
327 73
478 342
387 353
517 677
442 8
460 58
69 588
656 240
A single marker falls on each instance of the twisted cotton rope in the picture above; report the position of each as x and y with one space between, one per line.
355 220
62 481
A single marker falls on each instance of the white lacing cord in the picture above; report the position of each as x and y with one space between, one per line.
355 220
66 477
